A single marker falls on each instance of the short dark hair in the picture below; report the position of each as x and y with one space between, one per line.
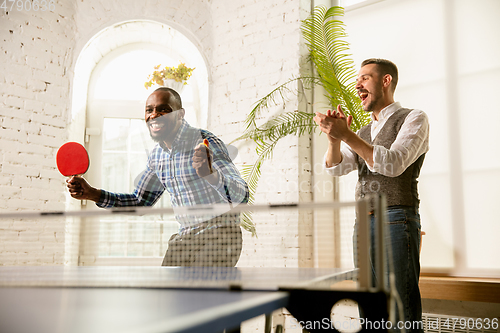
174 93
384 67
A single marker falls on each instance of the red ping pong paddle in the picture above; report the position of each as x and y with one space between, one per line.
72 159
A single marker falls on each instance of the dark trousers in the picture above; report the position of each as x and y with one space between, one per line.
403 235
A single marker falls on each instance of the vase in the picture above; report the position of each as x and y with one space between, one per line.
171 83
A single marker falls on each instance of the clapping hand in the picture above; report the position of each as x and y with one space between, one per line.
334 123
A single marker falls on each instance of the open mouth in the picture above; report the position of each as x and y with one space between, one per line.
156 126
363 95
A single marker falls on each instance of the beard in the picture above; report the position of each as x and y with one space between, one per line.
167 123
375 100
158 137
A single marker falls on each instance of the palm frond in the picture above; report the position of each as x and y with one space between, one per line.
278 96
251 174
284 124
246 221
324 34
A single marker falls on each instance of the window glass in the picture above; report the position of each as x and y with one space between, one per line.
126 146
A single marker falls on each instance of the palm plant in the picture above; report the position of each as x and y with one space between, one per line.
334 72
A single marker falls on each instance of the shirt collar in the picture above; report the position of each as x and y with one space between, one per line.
178 137
387 111
181 133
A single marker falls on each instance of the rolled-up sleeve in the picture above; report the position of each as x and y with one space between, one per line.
411 142
231 186
347 164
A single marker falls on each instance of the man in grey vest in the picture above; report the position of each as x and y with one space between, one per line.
388 154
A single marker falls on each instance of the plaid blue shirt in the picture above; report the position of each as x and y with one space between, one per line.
172 170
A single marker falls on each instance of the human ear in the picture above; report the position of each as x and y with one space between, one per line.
387 80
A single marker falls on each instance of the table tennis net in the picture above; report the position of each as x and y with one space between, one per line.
289 245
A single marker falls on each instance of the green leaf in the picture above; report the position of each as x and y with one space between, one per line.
324 34
279 96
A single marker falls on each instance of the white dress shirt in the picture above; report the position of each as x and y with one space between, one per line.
411 142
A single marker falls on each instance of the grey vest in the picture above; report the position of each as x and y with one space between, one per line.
400 190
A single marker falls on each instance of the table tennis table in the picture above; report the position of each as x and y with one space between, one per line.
75 299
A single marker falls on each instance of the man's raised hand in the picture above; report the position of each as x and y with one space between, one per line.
334 124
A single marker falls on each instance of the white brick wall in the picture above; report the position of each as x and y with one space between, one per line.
256 47
37 59
250 47
33 108
191 17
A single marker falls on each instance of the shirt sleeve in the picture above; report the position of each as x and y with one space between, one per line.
345 166
148 191
411 142
231 186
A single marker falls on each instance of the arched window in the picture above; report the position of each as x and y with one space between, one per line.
116 135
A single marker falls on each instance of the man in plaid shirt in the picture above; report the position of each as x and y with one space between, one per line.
193 174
